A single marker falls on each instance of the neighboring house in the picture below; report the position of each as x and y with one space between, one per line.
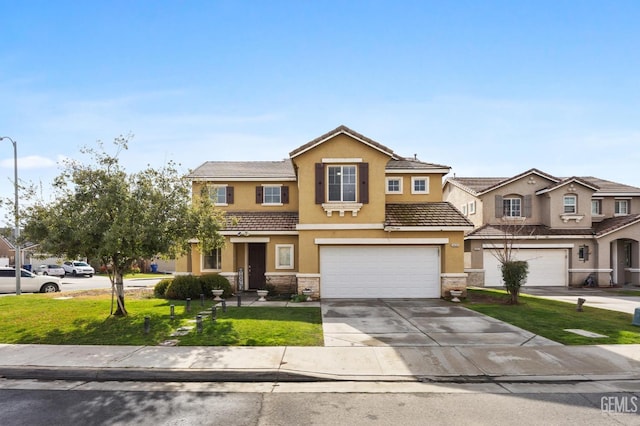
344 216
568 229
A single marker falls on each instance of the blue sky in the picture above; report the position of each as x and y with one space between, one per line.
490 88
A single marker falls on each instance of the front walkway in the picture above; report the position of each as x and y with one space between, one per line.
602 298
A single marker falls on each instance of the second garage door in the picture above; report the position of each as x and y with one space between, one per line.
379 272
547 267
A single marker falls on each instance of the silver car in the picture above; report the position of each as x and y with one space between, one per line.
29 282
78 267
50 269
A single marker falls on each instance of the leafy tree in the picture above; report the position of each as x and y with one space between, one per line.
103 213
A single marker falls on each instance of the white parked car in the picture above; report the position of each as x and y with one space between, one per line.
77 267
29 282
50 269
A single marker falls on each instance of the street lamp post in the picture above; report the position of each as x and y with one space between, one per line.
16 214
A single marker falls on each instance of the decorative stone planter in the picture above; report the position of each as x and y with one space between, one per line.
262 294
217 293
308 294
455 294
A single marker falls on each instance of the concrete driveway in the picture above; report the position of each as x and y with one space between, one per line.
416 322
610 299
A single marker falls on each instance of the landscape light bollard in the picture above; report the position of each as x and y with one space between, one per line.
147 325
201 299
214 313
188 307
199 323
224 305
172 310
580 303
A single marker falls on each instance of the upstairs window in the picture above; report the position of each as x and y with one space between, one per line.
272 195
218 194
341 183
622 207
419 185
570 203
394 186
512 207
596 207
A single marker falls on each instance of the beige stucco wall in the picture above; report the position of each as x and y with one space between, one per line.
459 198
245 196
435 188
520 187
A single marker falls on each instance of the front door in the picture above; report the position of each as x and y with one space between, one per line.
257 265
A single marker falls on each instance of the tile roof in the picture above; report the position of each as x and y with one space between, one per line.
229 170
341 129
527 231
424 214
261 221
483 184
614 223
412 164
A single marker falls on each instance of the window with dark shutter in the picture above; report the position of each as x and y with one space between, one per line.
319 183
363 172
284 194
258 194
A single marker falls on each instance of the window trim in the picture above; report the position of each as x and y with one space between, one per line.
414 179
597 202
219 260
291 264
616 204
511 199
574 206
264 194
217 189
472 207
390 179
355 183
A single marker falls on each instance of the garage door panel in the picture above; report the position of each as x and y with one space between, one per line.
547 267
379 271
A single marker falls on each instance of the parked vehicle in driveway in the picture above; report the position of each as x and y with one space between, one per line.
77 267
51 269
29 282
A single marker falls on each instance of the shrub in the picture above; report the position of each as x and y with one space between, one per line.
160 290
184 286
214 281
514 275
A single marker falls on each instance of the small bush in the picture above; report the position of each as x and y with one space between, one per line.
160 290
214 281
184 286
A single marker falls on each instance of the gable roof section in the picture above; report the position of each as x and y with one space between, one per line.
261 221
568 181
438 214
480 185
608 188
244 170
346 131
613 224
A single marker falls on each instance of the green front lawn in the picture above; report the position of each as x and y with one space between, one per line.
84 320
549 318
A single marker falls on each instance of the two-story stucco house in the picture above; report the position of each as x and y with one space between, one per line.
343 216
568 229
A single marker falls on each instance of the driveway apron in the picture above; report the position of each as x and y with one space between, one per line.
416 322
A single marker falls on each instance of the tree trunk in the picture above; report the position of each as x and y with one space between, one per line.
119 287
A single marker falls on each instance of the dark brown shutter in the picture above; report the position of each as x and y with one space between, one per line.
284 195
527 205
499 206
229 194
319 183
363 171
259 195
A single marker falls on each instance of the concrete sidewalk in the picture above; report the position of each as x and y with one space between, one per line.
256 364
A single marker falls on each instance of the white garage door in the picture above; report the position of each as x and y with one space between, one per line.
379 271
547 267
